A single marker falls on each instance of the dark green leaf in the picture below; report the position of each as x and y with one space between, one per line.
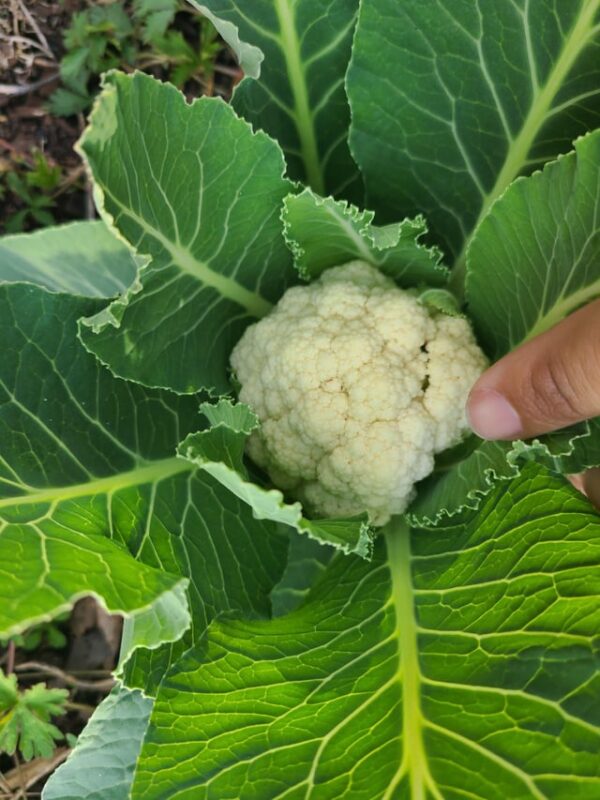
451 101
536 257
324 233
307 560
295 54
195 189
65 103
96 501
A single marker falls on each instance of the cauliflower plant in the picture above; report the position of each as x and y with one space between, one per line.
357 386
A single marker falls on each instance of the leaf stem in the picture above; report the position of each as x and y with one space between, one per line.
148 473
414 758
564 306
10 657
303 116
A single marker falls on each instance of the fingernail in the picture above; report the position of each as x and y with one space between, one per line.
491 416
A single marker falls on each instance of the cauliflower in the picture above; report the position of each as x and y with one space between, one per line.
357 385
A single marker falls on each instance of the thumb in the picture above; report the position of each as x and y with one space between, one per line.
545 384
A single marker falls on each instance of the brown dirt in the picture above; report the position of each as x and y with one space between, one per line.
31 46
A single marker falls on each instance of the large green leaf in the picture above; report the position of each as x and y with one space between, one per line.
452 101
460 663
101 765
193 188
295 54
536 256
324 233
219 452
89 475
56 258
467 473
69 440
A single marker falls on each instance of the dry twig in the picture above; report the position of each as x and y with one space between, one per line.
18 781
14 90
36 29
47 669
10 657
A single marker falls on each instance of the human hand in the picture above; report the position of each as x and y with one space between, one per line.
547 383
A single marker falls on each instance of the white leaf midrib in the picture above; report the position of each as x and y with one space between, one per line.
414 763
563 306
290 46
184 259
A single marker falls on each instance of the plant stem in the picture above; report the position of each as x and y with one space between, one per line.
414 762
10 657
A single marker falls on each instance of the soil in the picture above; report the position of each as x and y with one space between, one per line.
31 46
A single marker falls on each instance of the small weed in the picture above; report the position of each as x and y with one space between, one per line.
25 718
128 35
46 633
31 189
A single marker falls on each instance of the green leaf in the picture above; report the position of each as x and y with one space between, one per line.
437 671
155 15
182 58
441 300
452 101
81 258
193 188
462 483
94 500
307 560
587 452
9 695
18 186
47 566
66 103
535 257
25 718
43 175
74 70
468 472
219 451
101 765
67 438
324 233
45 218
295 54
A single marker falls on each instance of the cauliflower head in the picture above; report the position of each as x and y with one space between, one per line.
357 386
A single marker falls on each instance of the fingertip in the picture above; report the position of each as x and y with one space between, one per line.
492 416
